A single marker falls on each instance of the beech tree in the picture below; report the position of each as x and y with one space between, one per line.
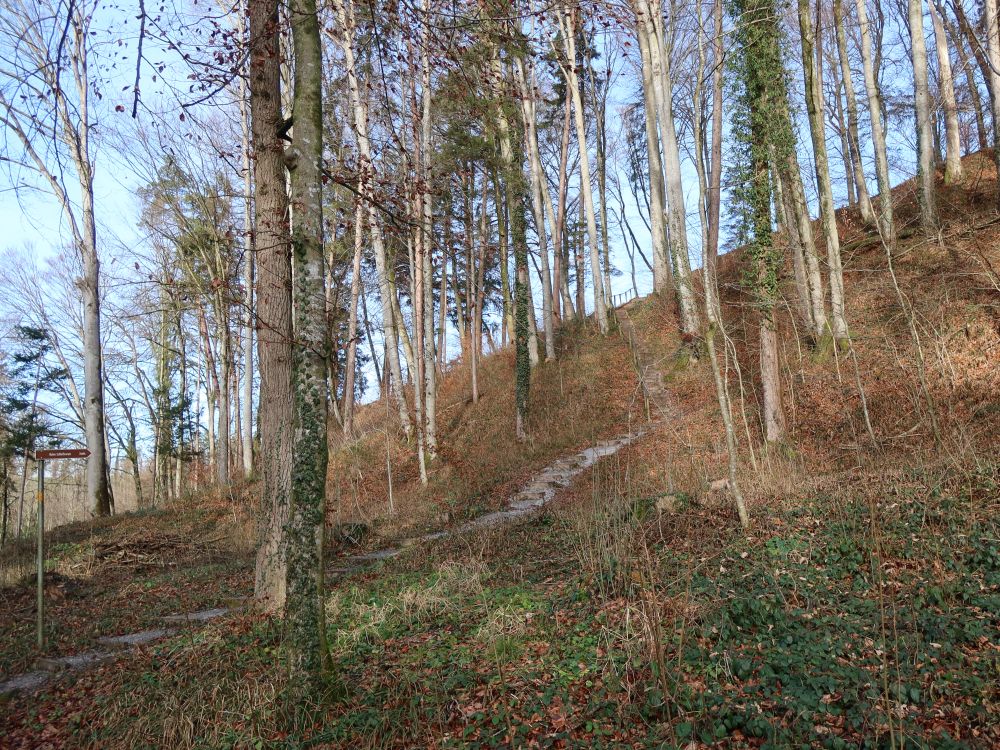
45 105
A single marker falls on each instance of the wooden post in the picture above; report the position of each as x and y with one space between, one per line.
41 555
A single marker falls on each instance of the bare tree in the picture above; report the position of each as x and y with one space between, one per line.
45 102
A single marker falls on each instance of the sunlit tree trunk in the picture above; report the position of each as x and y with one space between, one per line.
888 225
662 275
923 115
946 89
817 128
651 17
853 139
568 27
391 319
274 312
993 56
304 621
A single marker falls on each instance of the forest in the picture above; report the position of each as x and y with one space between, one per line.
500 374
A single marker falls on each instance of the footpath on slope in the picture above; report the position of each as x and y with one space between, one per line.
542 488
538 492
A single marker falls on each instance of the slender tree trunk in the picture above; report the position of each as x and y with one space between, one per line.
993 54
427 241
888 225
958 42
274 313
560 236
946 88
391 320
304 621
715 166
225 371
817 127
352 326
853 139
652 18
539 203
512 153
567 22
248 282
924 118
713 314
662 274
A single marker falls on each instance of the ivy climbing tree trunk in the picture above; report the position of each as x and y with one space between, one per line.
761 120
304 622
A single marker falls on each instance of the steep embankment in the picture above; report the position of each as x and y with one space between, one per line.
861 609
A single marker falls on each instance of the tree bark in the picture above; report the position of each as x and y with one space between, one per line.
274 311
817 128
853 139
923 116
993 54
888 224
946 88
568 25
304 620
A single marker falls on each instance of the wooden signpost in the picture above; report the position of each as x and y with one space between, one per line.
41 457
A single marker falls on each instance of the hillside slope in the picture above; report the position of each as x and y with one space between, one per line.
861 609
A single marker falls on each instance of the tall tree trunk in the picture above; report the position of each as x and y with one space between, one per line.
560 234
98 488
765 99
853 139
924 118
539 201
352 325
993 54
946 88
652 17
707 195
512 154
274 311
888 224
304 621
568 25
427 239
662 275
248 282
715 166
391 320
958 42
817 128
223 382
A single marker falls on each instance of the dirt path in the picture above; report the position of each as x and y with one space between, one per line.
538 492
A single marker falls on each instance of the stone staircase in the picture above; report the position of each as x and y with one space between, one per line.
659 403
115 646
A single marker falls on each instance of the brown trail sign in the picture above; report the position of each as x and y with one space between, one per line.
54 453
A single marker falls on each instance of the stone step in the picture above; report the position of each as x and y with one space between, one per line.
77 661
134 639
191 617
22 683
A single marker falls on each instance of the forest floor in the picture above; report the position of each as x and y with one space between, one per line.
861 609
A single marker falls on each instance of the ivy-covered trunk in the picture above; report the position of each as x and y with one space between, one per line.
762 127
304 624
